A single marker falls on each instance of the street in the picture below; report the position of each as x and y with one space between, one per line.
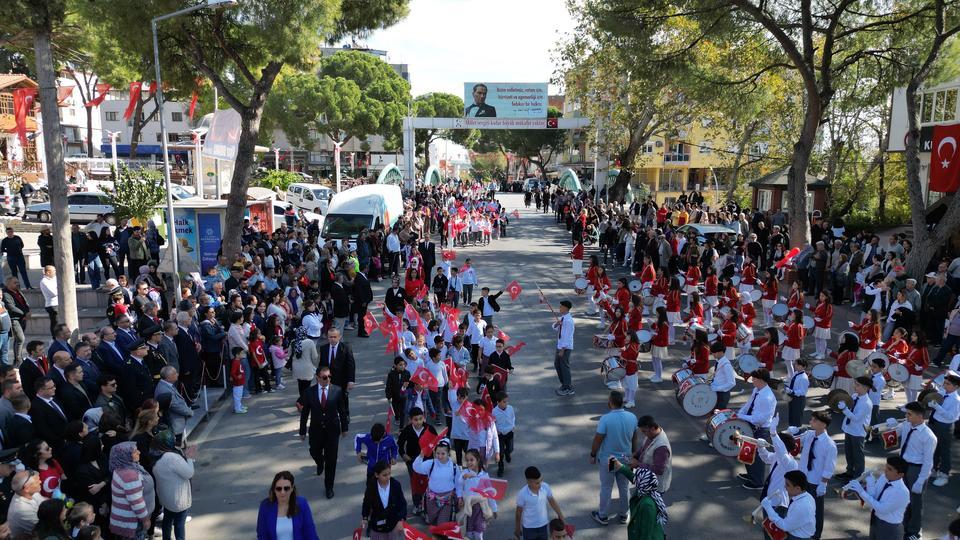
239 454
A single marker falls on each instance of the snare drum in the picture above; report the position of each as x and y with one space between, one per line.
742 332
756 295
691 332
808 322
644 336
612 370
780 311
658 301
635 286
648 299
843 337
886 360
735 280
856 368
898 372
746 364
603 341
721 429
681 375
696 397
580 285
822 375
725 312
682 280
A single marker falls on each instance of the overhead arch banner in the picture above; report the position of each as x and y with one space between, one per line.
504 100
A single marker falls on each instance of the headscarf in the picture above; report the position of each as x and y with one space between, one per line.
646 483
164 441
121 457
299 335
92 419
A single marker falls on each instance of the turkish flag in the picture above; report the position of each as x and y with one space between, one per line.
450 530
458 374
476 416
389 417
797 447
774 532
135 88
421 293
369 322
485 397
102 89
515 348
358 534
153 87
748 452
193 104
393 344
410 533
501 374
423 377
410 312
23 99
514 289
787 258
428 441
502 335
889 439
570 528
945 159
552 123
491 488
448 254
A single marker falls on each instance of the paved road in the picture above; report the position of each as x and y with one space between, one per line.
240 454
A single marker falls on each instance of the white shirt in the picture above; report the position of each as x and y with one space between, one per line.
800 520
384 492
919 449
879 383
284 528
460 356
506 419
443 476
799 384
455 284
897 305
723 376
857 418
474 480
485 439
393 243
48 286
824 456
487 308
439 370
564 328
891 504
764 407
468 275
947 412
782 462
488 345
311 325
534 506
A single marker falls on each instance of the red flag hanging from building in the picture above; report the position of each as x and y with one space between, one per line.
945 159
193 104
135 89
102 90
153 87
23 99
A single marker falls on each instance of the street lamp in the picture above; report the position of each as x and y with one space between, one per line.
171 227
113 152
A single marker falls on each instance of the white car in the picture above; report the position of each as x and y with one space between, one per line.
83 206
309 197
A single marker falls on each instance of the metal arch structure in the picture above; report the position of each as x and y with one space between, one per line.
569 181
433 177
411 123
391 174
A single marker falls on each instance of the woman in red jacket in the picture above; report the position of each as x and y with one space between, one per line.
795 301
822 321
917 361
699 361
673 307
412 285
661 339
618 324
846 353
648 274
748 276
897 347
623 294
692 280
728 334
635 316
696 309
710 286
629 355
869 333
771 290
794 343
732 296
768 348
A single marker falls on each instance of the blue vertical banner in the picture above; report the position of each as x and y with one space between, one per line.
209 235
185 223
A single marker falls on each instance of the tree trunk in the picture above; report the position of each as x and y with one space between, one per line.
882 192
89 111
136 129
619 188
797 175
56 181
738 161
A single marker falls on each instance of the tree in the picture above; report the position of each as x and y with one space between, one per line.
39 18
537 145
277 180
137 193
242 51
440 105
489 164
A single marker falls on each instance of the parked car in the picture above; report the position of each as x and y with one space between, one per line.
705 231
309 197
83 206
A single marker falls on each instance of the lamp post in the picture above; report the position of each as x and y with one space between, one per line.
198 161
171 227
113 152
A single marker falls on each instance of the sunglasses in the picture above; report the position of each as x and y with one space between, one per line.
323 377
283 488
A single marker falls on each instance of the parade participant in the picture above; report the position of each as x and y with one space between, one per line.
917 447
565 328
661 339
917 361
398 379
869 333
818 459
506 420
748 276
771 290
710 291
699 360
781 461
457 424
284 514
629 355
888 498
799 521
326 404
897 346
758 412
532 518
797 389
409 444
482 436
692 282
648 274
601 284
475 510
500 358
747 315
767 354
477 326
846 352
635 316
488 345
441 498
696 309
794 343
384 506
618 324
795 300
623 295
857 418
822 320
724 378
731 298
876 391
941 424
727 335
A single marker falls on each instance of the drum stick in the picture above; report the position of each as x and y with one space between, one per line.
543 298
759 442
885 427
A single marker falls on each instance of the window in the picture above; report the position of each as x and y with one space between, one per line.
706 147
648 148
677 152
158 137
763 199
785 203
176 116
671 180
939 106
173 137
758 149
111 116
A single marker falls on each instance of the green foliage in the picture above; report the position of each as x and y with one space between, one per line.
137 193
490 164
538 145
277 180
440 105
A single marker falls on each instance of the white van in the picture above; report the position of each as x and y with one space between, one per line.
366 206
309 197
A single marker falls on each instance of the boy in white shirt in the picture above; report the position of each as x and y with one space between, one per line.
532 520
506 420
488 345
724 378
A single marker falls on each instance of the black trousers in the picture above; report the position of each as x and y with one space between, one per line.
324 446
361 311
812 490
52 313
795 410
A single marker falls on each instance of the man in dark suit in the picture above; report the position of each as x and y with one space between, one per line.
187 355
338 356
136 382
479 108
428 250
33 367
125 334
72 395
326 403
110 352
19 429
49 417
488 305
61 359
168 344
341 303
362 296
394 298
61 341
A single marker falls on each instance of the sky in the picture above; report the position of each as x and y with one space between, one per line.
449 42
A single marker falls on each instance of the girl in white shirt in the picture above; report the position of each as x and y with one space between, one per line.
476 509
443 491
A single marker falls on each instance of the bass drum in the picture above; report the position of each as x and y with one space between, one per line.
746 364
721 429
822 375
696 397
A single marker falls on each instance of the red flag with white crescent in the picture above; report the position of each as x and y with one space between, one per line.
515 214
491 488
748 452
502 335
412 533
774 532
945 159
102 90
135 88
424 378
448 254
512 350
889 439
369 322
514 289
500 374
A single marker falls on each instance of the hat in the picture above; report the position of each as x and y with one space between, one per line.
138 344
151 330
932 275
184 305
911 280
8 455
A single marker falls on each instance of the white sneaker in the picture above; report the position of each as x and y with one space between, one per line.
941 481
630 405
704 438
656 379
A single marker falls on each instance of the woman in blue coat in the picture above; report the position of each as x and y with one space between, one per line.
284 515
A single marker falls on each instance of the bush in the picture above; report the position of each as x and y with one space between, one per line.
136 193
277 180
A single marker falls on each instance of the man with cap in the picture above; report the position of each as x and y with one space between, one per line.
155 360
8 460
855 422
917 446
888 498
758 411
136 382
561 362
818 459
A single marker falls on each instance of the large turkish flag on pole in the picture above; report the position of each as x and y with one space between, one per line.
945 159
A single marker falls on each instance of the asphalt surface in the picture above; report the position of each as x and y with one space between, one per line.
240 454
